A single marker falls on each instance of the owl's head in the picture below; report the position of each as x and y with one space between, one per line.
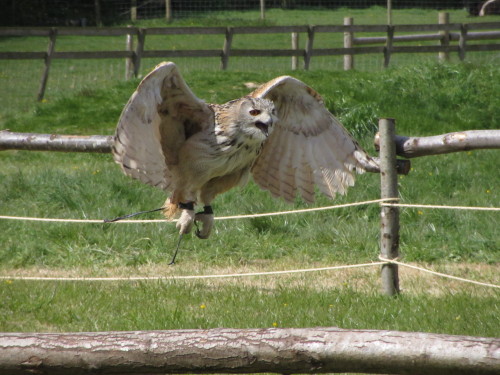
257 117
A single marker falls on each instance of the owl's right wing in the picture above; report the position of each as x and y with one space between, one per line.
308 146
159 116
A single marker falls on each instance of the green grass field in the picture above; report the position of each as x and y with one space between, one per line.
425 99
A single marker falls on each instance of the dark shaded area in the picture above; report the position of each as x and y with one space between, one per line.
107 12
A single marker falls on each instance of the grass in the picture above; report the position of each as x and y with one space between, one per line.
425 99
21 78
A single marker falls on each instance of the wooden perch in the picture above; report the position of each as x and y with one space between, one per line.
55 142
285 351
411 147
96 143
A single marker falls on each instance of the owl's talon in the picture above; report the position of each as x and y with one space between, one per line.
207 219
185 222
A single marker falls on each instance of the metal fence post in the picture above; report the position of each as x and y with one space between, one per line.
389 216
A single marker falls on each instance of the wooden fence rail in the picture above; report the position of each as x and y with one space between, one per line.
444 33
283 351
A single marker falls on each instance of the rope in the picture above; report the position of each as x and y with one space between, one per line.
441 207
189 277
393 261
247 274
90 221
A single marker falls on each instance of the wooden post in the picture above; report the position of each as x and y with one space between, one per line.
129 61
141 38
133 10
168 10
98 17
348 43
295 46
389 216
462 43
309 47
226 50
262 9
389 12
444 19
48 60
388 46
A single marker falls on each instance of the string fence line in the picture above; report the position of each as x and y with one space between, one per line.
382 261
190 277
443 207
298 211
395 261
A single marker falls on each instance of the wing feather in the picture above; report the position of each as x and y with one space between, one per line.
308 145
159 116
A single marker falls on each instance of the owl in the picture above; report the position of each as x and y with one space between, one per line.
281 134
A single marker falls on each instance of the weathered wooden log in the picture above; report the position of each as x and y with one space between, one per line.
98 143
411 147
54 142
285 351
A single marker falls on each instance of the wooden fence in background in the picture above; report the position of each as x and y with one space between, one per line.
450 38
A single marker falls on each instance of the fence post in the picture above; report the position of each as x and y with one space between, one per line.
295 46
141 38
168 10
48 60
348 43
226 50
462 43
129 61
262 9
389 216
444 19
133 10
309 47
388 45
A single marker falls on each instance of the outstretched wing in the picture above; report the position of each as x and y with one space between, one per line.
159 116
308 145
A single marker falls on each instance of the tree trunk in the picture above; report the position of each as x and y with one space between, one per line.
286 351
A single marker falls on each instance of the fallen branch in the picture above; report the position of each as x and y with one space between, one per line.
286 351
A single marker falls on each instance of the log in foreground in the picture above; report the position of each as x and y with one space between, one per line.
287 351
411 147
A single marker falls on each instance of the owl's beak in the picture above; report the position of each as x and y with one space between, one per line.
264 126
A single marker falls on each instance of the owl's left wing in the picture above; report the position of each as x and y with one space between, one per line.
308 145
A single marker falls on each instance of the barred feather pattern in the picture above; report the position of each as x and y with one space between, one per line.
281 134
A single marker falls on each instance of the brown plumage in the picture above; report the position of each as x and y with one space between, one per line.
281 134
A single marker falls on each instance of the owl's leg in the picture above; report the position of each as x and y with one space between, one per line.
207 219
184 224
185 221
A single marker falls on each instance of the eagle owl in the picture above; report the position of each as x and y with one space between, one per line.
281 134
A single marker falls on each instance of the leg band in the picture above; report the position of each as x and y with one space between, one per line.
186 206
208 210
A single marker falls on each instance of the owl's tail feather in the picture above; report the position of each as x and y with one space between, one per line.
171 208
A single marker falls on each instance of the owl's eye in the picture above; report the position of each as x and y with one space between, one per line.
254 112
